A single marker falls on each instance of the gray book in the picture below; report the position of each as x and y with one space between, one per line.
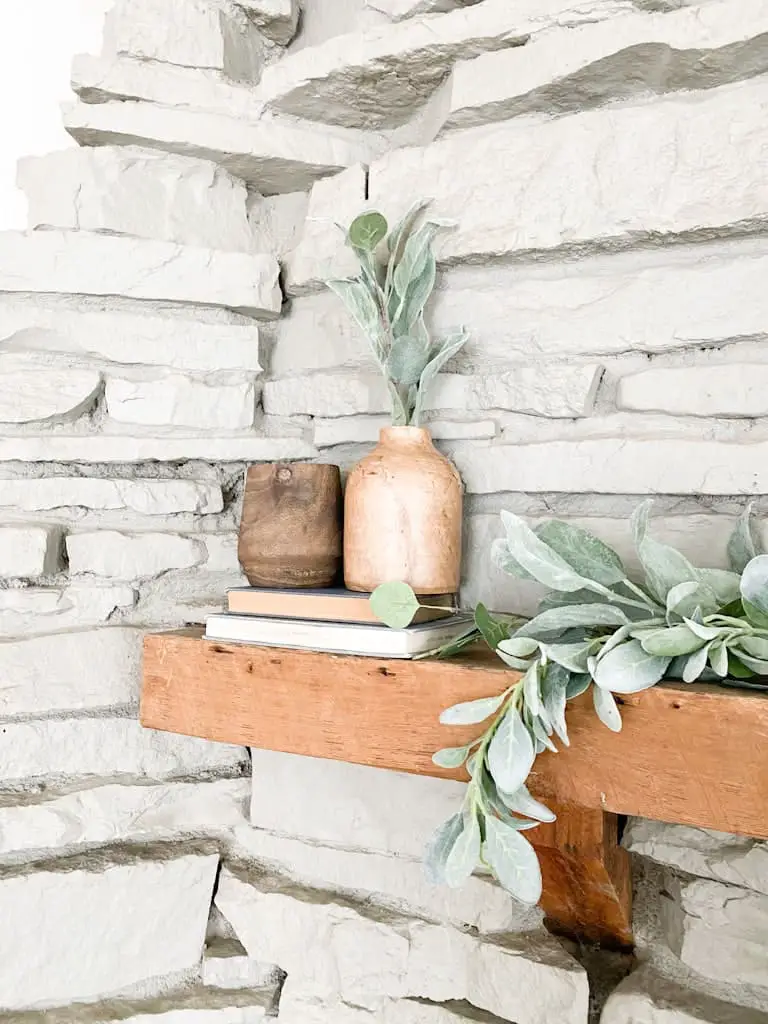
377 641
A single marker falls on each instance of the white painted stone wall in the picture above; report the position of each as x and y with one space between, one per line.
163 323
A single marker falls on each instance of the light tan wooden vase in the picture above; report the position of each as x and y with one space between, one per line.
402 516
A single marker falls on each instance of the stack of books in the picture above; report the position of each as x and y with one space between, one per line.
333 620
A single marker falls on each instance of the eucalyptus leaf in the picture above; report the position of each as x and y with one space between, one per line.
464 854
367 230
577 685
538 558
513 861
590 557
440 846
522 802
494 631
672 642
629 669
451 757
502 559
395 604
606 708
510 753
744 544
472 711
556 620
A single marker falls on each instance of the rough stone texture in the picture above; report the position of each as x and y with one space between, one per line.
146 496
396 882
737 390
720 931
397 10
224 966
104 748
365 429
132 191
222 552
277 19
131 556
179 401
51 609
272 155
632 55
164 447
132 922
220 1015
325 395
192 33
647 998
717 855
183 344
614 466
35 388
29 551
380 78
109 814
85 670
329 949
84 263
639 302
527 192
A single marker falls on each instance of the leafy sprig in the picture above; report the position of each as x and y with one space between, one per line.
597 629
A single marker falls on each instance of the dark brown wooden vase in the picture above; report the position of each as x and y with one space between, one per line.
290 531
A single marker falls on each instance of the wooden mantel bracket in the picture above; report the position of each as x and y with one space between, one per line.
692 754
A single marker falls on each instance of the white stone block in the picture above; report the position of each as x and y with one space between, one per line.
614 466
326 395
222 552
397 882
53 609
86 670
29 551
397 10
642 301
105 748
277 19
721 931
82 263
192 33
733 390
178 401
161 447
131 191
725 858
148 497
648 998
365 429
131 556
566 70
534 186
273 155
110 814
330 950
38 388
348 805
555 390
223 969
382 77
182 344
131 921
221 1015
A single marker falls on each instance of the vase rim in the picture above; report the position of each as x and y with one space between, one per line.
414 435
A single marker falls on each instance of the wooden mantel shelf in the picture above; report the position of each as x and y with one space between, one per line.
691 754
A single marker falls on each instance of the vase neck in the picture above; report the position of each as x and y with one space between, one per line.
418 437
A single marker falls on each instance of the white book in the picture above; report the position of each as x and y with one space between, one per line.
377 641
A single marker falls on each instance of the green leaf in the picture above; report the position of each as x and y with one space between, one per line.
412 303
472 711
494 631
725 585
367 230
606 708
394 603
510 753
577 685
702 631
590 557
542 733
465 853
362 306
450 347
502 559
671 642
415 258
401 233
451 757
757 665
682 599
513 861
440 846
744 544
754 615
737 668
664 566
757 646
406 360
629 669
538 558
531 689
696 664
570 656
522 802
754 584
554 690
518 647
718 659
558 619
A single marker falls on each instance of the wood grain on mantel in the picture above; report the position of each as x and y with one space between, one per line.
691 754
